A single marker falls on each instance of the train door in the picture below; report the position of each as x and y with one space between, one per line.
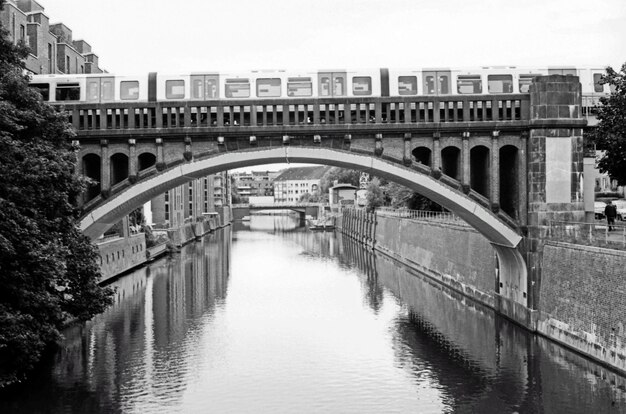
100 89
205 87
332 84
437 82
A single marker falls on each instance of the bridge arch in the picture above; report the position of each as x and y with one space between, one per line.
512 269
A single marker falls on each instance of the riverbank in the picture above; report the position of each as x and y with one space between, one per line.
582 301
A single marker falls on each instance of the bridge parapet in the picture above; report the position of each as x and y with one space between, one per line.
296 115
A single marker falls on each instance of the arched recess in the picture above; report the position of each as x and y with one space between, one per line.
451 162
119 168
480 170
92 169
509 180
512 269
423 155
145 161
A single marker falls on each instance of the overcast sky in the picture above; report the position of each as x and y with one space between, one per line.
138 36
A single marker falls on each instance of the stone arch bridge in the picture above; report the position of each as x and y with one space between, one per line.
504 163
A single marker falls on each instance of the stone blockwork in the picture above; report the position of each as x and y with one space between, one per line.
583 300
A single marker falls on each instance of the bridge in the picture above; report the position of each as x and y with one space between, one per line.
504 163
304 209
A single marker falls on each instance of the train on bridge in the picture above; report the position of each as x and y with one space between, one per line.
285 84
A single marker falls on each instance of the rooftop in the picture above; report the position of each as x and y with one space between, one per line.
302 173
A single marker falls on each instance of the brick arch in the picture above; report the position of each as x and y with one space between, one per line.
512 268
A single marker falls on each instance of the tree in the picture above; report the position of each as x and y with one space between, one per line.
610 134
341 175
48 268
375 197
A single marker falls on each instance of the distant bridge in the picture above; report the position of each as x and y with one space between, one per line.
304 209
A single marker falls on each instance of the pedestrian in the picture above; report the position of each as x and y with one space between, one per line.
610 211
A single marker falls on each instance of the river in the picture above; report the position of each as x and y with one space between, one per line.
268 317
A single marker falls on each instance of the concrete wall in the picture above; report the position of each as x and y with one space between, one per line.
118 255
583 300
458 256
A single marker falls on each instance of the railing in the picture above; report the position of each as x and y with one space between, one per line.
282 204
594 234
285 112
422 215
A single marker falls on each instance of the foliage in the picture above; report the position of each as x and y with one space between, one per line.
341 175
311 198
48 269
375 197
610 134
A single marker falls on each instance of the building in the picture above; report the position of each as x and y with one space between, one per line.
292 183
52 48
342 195
191 201
254 184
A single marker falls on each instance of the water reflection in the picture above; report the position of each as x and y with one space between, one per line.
304 321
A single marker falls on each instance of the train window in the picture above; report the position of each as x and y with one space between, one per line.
268 87
325 86
67 92
129 90
407 85
597 86
299 87
237 88
211 88
469 84
93 90
175 89
44 90
443 84
197 90
525 81
362 85
107 89
340 88
430 85
500 83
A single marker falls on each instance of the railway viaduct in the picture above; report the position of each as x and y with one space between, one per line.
504 163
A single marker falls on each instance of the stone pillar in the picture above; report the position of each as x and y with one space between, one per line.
494 179
465 154
105 169
160 161
555 165
436 151
132 161
522 179
407 159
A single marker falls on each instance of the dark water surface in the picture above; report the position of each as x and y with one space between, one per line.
283 320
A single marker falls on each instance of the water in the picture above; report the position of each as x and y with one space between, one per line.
282 320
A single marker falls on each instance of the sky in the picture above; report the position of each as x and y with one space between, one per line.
138 36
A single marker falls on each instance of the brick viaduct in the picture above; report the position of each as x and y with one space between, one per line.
504 163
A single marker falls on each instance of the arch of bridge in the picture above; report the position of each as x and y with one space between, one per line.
504 239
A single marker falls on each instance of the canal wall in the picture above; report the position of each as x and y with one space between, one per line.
188 232
582 302
454 255
582 297
120 254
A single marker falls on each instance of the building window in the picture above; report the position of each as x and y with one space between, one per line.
22 32
67 64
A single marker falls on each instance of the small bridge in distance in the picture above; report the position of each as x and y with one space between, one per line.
304 209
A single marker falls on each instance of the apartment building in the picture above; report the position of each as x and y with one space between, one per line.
292 183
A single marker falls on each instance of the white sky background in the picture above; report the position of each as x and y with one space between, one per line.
139 36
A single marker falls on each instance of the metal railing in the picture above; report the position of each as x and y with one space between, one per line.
422 215
593 234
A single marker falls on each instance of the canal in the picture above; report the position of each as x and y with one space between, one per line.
268 317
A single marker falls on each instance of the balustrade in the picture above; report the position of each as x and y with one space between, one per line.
298 112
